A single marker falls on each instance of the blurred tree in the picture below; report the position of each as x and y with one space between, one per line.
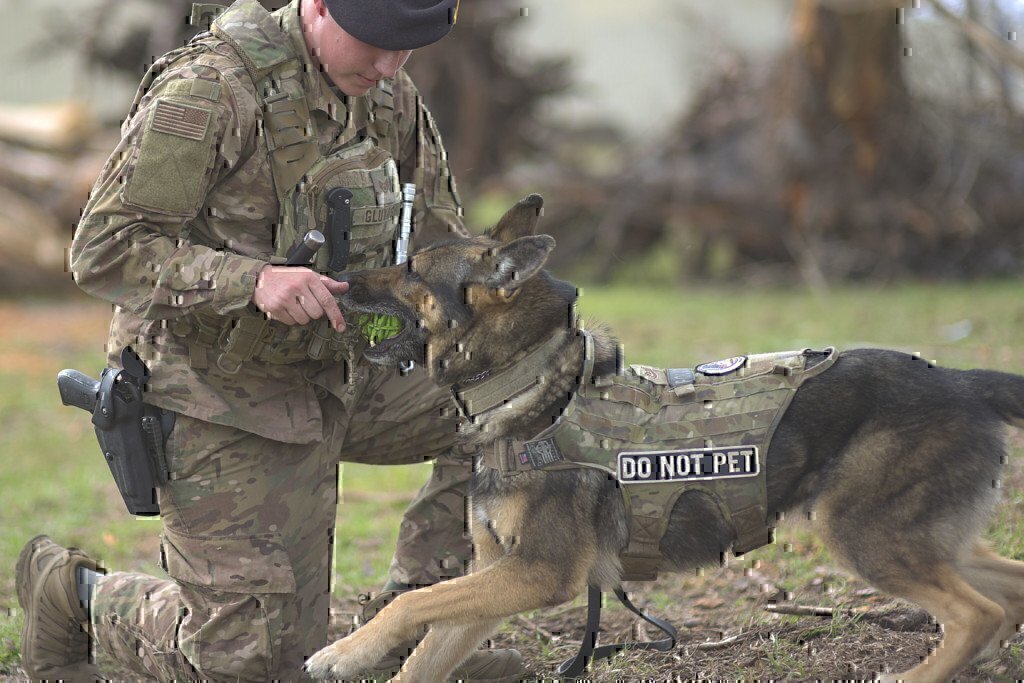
823 162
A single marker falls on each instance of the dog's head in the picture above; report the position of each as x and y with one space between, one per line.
463 303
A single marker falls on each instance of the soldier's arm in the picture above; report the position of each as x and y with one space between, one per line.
423 160
136 244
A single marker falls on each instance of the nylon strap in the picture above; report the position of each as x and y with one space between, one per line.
589 651
497 389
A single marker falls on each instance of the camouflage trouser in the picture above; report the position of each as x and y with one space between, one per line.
248 526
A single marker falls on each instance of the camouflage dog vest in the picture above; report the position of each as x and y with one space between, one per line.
666 432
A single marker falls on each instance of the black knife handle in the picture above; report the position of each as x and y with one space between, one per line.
339 226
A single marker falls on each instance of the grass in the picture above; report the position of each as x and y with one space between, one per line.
54 481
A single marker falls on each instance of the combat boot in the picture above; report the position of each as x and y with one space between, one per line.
54 640
483 666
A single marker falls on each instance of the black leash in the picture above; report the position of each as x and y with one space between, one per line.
589 650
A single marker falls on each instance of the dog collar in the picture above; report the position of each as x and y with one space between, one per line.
490 390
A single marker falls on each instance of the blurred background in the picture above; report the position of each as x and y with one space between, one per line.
757 141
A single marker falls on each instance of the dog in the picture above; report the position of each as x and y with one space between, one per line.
897 460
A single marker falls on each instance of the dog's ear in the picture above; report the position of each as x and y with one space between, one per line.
514 263
519 221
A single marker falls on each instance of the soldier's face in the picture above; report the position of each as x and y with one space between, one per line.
351 65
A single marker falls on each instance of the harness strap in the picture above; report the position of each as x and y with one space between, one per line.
641 558
752 530
588 647
494 390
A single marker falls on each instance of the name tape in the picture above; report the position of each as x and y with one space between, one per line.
692 464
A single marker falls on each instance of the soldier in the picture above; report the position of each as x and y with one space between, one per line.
227 157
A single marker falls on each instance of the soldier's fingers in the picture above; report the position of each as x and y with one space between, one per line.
334 286
297 312
329 305
280 315
310 304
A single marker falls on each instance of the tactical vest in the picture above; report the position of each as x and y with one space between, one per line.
364 165
662 433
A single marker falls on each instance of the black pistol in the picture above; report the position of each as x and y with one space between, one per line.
131 433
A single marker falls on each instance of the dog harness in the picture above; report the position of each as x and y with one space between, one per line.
666 432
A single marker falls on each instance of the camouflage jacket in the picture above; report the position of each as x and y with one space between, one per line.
184 233
662 433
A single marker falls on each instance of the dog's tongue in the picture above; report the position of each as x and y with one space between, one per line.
377 327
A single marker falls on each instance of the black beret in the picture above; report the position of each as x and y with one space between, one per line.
395 24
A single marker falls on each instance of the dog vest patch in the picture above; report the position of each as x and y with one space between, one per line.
722 367
692 464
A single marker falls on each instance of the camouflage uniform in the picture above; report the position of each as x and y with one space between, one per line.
177 228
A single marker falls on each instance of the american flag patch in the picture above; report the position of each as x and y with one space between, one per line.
181 120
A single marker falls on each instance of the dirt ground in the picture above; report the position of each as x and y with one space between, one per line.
726 634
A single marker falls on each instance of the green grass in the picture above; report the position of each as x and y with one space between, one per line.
54 481
680 326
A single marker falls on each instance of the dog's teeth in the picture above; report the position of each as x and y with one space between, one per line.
372 343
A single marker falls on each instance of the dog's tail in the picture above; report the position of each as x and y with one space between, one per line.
1002 392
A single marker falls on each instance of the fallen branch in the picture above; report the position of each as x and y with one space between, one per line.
805 610
724 642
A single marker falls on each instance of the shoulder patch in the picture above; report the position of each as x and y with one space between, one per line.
181 120
722 367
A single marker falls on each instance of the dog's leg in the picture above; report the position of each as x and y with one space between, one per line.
969 619
1002 581
446 645
444 648
509 586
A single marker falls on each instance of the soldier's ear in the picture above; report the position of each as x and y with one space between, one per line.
514 263
519 221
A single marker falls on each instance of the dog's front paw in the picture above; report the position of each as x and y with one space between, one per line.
348 658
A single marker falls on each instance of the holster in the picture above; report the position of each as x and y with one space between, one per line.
131 434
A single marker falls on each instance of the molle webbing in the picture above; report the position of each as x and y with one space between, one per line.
276 71
649 409
290 134
491 391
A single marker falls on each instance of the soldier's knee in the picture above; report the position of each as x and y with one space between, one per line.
240 603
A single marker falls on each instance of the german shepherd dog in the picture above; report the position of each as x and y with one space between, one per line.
896 459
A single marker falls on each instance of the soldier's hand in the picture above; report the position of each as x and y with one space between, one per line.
296 296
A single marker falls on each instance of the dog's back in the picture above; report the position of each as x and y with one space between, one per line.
898 464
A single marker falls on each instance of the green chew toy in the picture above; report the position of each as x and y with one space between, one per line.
377 327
